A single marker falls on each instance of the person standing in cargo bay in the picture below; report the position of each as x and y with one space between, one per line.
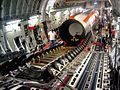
52 35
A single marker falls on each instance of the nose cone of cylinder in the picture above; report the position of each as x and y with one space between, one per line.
72 32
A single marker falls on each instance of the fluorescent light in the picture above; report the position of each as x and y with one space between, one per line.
34 17
110 2
95 3
13 22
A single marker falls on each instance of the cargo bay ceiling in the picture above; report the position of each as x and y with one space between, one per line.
12 9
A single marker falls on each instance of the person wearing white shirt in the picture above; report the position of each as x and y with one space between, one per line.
52 35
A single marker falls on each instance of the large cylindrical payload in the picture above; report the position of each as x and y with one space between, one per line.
74 30
71 32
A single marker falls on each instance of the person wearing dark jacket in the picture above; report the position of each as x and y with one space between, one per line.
104 42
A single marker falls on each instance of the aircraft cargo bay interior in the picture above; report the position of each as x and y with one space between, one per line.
59 45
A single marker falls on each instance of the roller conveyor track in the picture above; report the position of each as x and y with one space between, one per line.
50 56
89 77
39 61
44 75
